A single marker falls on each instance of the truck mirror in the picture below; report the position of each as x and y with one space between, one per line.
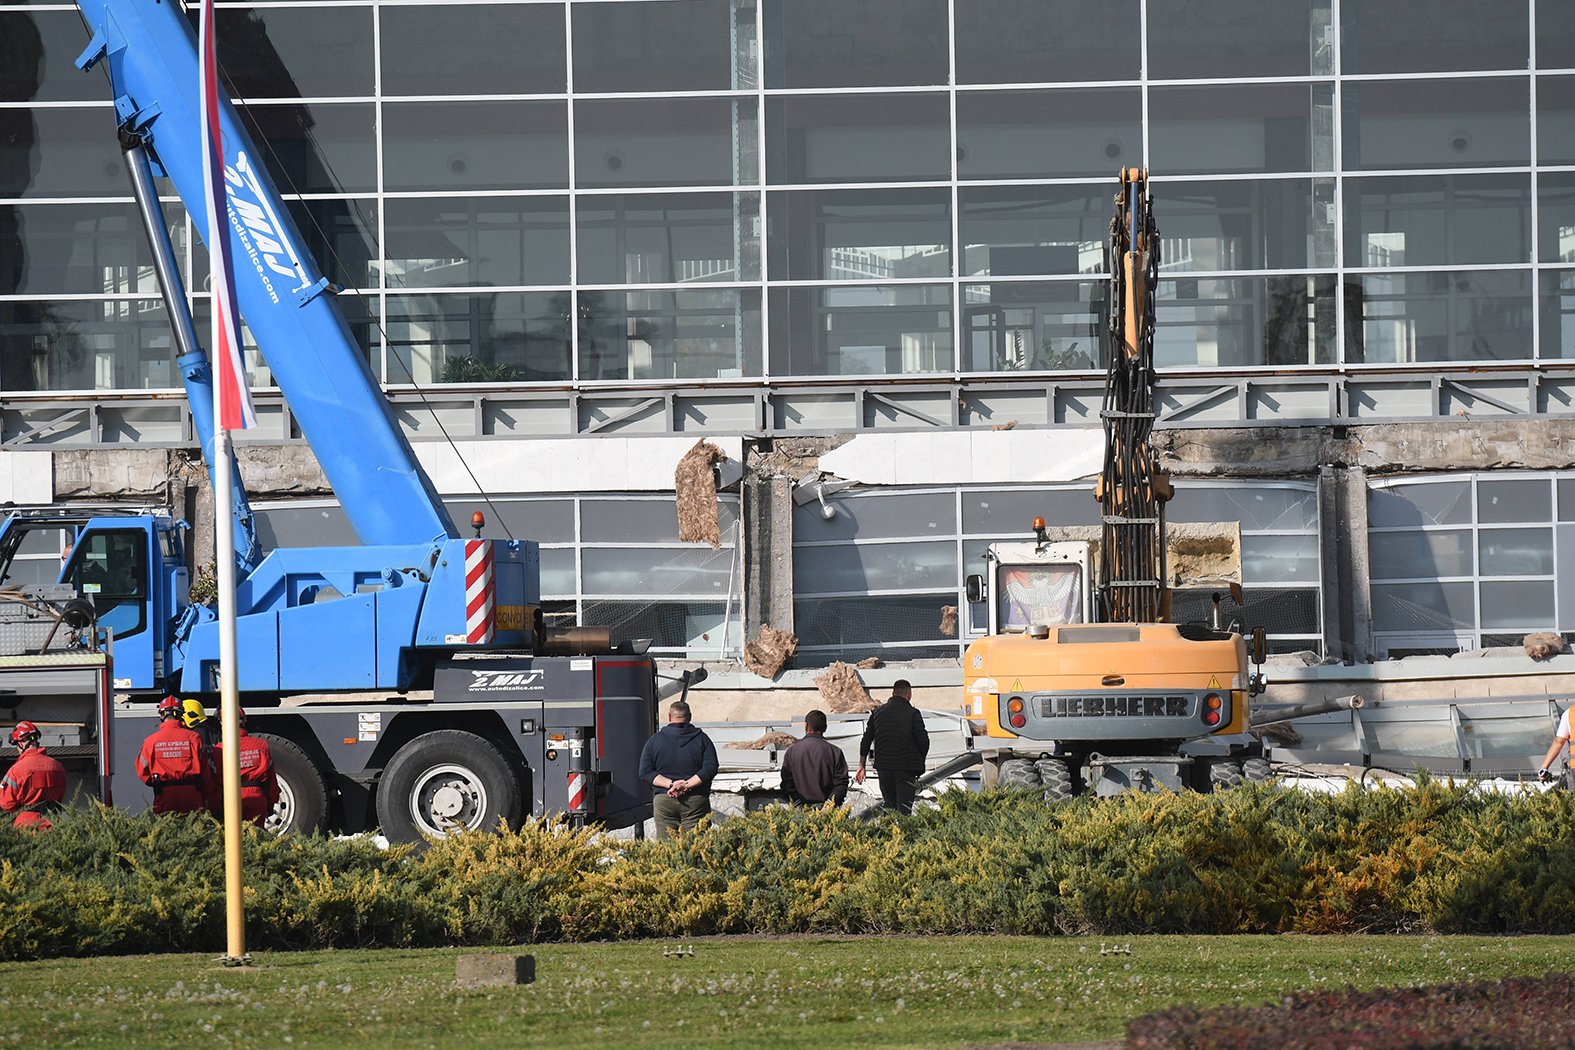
1260 645
974 587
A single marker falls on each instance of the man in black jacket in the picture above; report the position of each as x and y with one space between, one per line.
896 733
679 763
814 769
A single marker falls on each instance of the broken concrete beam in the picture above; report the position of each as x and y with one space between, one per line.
492 970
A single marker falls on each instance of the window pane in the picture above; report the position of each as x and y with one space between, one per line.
1257 507
506 337
1279 559
558 576
123 343
1558 314
1035 326
340 234
1421 36
473 49
1437 220
1555 120
61 153
1029 230
857 138
1513 501
1048 134
1004 512
661 238
1193 40
1246 225
1436 123
644 521
475 145
1517 605
1241 127
1516 552
324 147
359 312
1032 42
664 142
686 625
41 54
869 622
1456 316
664 47
1420 555
66 249
874 330
874 567
653 571
1424 606
541 520
821 235
884 516
470 241
1555 34
1443 503
311 51
1556 216
832 43
701 334
1229 322
285 526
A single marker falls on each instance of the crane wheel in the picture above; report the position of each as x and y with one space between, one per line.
444 781
1019 773
1056 776
1224 773
1256 770
302 808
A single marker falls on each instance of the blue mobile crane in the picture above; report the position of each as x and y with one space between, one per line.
517 722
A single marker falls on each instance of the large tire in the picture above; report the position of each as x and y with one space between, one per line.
1256 770
1224 774
1056 776
444 781
302 808
1019 773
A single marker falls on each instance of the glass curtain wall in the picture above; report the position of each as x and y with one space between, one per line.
673 191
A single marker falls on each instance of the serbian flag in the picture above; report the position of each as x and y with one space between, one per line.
232 401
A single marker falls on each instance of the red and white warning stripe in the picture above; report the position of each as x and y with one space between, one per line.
578 782
480 595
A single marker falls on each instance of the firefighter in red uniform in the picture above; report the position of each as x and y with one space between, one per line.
35 783
174 762
259 786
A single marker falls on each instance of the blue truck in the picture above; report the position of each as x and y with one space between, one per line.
406 683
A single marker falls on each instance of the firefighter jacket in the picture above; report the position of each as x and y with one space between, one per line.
259 786
34 784
178 768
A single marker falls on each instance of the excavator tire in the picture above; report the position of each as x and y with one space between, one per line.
302 808
1224 773
1056 776
444 781
1256 770
1019 773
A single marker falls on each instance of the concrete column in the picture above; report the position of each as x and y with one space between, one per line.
1347 600
768 553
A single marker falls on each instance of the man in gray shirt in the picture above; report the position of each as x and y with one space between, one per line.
814 770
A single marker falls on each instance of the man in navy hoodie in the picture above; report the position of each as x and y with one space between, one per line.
679 762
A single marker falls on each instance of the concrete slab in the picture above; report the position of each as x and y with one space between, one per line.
492 970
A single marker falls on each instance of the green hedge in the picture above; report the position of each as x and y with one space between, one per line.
1257 859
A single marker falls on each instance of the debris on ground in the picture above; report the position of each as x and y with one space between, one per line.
1542 644
771 651
775 741
948 626
695 483
843 691
1008 425
869 663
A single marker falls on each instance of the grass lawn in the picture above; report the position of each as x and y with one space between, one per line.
941 992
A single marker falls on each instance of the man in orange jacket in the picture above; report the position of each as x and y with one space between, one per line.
35 783
174 762
259 785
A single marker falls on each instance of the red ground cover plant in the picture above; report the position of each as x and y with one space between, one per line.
1519 1013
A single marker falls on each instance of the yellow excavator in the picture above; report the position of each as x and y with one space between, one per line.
1082 683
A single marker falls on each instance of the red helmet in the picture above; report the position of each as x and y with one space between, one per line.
24 732
169 707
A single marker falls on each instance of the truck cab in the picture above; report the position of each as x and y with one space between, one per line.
1028 583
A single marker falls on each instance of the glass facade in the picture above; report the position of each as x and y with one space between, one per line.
607 192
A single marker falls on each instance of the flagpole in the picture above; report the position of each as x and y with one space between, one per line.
230 695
